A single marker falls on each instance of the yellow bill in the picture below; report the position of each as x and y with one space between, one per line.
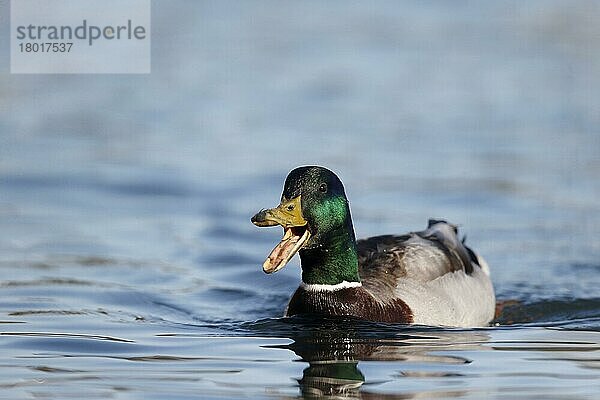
295 232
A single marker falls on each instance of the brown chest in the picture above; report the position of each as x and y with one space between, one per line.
354 302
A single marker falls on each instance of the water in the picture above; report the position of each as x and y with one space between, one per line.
128 265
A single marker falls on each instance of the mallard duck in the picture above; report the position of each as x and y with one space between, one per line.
429 277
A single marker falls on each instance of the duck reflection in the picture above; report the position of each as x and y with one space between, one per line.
335 379
334 357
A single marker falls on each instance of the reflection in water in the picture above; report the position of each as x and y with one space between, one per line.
334 358
337 378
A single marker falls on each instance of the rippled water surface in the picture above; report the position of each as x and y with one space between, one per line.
128 265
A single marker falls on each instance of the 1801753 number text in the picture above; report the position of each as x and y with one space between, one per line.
33 47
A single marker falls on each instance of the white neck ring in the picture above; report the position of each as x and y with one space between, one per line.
315 287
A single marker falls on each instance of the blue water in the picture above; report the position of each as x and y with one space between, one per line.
128 265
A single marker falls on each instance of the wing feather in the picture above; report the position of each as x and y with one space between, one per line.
419 256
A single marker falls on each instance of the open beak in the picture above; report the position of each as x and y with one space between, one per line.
288 214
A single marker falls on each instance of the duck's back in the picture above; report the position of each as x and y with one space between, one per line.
441 280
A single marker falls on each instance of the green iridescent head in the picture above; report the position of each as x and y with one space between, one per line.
315 215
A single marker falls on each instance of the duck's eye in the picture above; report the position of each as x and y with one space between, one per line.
323 188
290 207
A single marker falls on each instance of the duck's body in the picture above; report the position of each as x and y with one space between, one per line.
428 277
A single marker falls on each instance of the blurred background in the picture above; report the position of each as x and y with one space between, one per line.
130 195
486 114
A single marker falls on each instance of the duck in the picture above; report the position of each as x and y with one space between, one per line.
427 277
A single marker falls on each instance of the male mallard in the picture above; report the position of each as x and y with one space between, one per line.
428 277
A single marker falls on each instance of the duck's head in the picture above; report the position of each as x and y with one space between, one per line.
313 209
